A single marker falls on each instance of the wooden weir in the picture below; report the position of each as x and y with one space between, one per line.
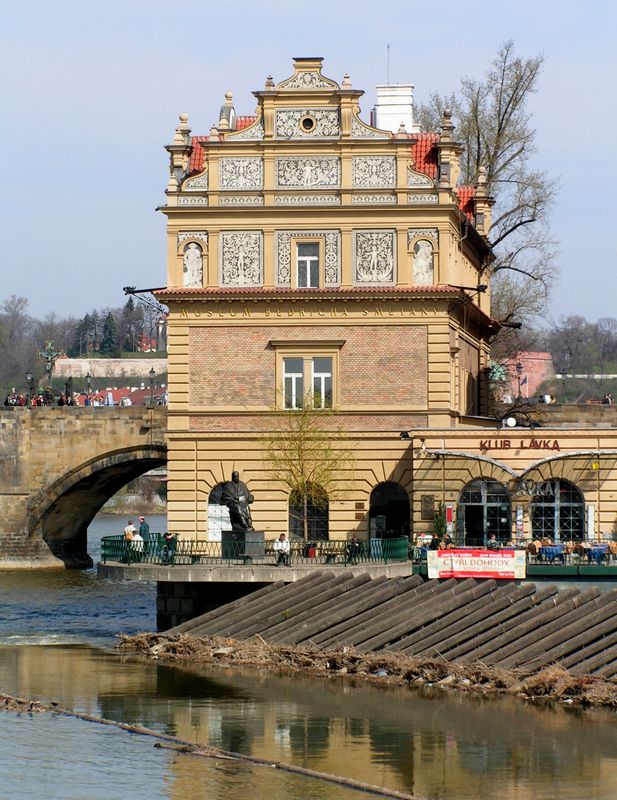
524 627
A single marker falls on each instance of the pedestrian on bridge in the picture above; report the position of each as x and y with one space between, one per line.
144 529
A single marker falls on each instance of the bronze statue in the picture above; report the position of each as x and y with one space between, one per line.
237 498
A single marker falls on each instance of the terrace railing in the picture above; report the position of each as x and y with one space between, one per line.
176 551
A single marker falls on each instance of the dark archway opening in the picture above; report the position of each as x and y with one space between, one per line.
484 509
389 511
63 524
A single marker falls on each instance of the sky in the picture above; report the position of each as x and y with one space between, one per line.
92 91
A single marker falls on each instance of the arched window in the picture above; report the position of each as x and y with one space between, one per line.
315 508
558 512
389 511
484 509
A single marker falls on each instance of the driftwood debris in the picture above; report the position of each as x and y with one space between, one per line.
183 746
524 627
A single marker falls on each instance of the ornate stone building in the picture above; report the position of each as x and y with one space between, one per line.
311 252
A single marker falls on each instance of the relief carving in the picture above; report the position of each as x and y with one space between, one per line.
297 172
426 233
241 173
241 200
254 132
415 179
307 80
326 123
193 201
197 184
359 130
423 198
374 257
241 258
374 199
373 172
201 236
307 200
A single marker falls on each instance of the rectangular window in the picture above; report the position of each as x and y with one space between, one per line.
307 262
293 382
322 382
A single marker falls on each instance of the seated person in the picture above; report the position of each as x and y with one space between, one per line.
353 549
282 549
435 543
492 543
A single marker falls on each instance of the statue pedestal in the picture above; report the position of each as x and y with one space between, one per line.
243 544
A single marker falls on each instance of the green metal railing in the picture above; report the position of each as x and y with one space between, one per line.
157 550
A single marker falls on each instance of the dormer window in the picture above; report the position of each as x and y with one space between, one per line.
307 264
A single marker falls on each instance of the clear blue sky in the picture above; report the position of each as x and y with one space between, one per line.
92 91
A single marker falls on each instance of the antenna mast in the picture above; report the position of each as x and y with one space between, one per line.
388 64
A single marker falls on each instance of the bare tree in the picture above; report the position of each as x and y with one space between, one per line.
308 459
495 127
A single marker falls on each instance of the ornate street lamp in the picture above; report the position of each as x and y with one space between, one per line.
519 372
29 377
152 375
88 383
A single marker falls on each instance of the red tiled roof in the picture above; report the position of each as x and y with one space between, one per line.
424 153
197 156
244 122
466 196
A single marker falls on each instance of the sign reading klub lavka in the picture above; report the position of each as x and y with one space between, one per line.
498 564
519 444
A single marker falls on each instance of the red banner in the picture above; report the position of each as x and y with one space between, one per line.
463 563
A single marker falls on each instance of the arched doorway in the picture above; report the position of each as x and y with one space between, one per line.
558 512
484 509
388 511
317 514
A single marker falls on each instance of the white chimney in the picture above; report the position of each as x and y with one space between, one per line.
394 106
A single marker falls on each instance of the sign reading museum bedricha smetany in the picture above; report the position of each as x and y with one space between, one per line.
498 564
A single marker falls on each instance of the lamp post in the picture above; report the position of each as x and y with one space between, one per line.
519 372
30 385
88 386
68 389
152 375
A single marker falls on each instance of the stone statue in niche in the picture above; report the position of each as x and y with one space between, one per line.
237 498
423 271
192 266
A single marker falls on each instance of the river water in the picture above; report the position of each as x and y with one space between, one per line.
56 638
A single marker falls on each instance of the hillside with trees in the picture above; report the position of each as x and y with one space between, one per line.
129 331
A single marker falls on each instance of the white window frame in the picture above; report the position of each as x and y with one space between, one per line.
307 351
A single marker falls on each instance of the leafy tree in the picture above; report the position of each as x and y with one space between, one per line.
308 458
495 127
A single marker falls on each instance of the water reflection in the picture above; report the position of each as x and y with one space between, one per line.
441 746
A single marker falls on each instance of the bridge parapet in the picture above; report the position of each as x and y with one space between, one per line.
59 465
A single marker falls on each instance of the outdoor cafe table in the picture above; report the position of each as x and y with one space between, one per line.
552 552
597 553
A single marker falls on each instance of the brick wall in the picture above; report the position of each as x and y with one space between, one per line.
378 365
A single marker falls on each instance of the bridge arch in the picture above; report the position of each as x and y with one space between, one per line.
60 513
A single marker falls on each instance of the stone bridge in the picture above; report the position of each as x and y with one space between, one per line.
58 466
